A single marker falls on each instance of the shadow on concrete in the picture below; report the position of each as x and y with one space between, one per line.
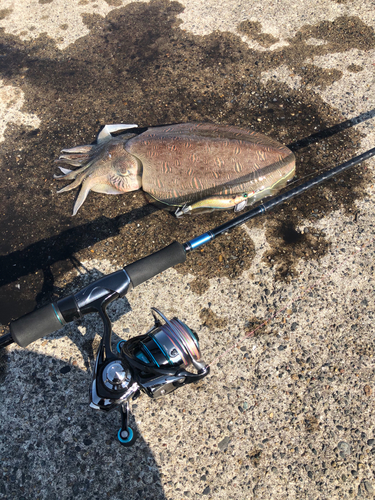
54 446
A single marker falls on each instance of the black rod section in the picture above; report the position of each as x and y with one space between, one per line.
277 200
329 132
6 340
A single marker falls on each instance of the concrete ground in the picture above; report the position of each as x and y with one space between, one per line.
288 411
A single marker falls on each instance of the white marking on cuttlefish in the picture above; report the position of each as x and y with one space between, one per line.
65 171
106 133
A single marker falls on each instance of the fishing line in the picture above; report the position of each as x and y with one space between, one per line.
296 178
300 297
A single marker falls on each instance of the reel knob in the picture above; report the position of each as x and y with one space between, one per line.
115 373
115 376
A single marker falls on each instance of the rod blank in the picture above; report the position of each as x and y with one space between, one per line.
277 200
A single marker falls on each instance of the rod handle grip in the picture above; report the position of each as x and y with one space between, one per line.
156 263
36 325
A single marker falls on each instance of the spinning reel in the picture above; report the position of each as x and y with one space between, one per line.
154 363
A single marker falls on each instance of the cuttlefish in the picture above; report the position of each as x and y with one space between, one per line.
188 166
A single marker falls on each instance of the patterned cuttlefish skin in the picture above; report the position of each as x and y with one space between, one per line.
190 166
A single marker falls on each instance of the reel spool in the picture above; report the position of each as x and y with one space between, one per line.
155 363
171 344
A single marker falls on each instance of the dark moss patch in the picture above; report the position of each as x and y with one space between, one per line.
257 326
5 13
289 245
137 66
254 457
312 424
363 349
253 30
43 2
114 3
211 320
341 34
199 285
225 256
313 75
355 68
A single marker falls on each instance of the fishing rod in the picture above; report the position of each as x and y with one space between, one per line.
155 363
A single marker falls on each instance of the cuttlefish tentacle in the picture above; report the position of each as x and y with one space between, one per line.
74 160
70 175
86 148
70 161
80 156
78 179
104 168
88 179
91 184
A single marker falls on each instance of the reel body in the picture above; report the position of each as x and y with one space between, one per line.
154 363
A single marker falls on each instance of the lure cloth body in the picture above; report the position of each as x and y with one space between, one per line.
189 166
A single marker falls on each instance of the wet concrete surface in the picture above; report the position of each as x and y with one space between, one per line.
140 63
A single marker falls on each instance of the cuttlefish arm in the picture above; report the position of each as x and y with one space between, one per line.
79 154
104 167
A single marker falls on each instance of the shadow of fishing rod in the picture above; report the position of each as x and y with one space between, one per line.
46 253
64 245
